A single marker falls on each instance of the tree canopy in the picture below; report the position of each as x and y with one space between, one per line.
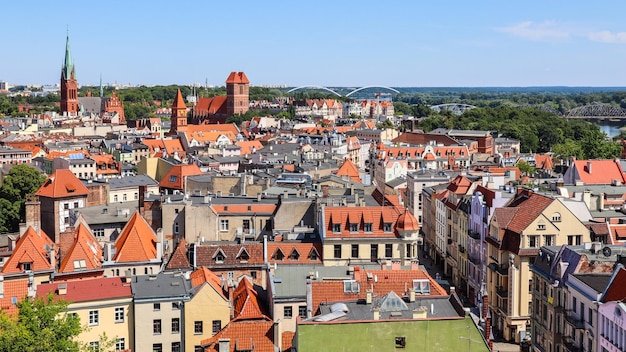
21 181
41 325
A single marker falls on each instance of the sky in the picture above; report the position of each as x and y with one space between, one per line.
327 43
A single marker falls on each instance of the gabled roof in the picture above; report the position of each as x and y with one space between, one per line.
61 184
153 144
232 252
210 106
237 77
348 168
295 252
204 275
137 242
85 253
530 206
248 146
245 335
246 303
178 259
32 247
173 145
597 172
89 290
617 288
344 216
175 178
544 161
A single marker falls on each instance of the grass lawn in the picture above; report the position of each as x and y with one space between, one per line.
420 335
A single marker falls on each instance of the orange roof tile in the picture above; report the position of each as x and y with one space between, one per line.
380 282
210 106
407 222
178 259
89 290
173 146
179 102
204 275
175 178
249 147
378 215
237 77
14 292
62 183
348 168
245 335
153 144
295 253
31 248
616 291
137 242
246 302
599 172
85 250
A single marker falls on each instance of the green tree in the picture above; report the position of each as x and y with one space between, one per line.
21 181
568 149
386 124
42 325
525 168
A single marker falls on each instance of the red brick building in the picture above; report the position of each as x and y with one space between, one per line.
69 86
218 109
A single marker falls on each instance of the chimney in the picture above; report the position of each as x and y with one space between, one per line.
415 264
278 337
452 290
142 195
357 273
589 167
309 297
224 345
420 313
383 265
33 212
395 265
376 314
411 295
368 297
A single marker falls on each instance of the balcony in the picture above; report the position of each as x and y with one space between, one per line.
502 269
576 322
502 291
474 260
461 249
570 344
473 234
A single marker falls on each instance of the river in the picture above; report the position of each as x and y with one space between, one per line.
611 128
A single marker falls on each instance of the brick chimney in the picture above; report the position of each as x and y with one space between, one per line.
357 273
487 317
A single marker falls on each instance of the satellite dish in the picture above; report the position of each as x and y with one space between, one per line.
606 251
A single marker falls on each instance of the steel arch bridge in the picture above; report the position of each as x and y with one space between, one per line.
597 111
367 87
314 87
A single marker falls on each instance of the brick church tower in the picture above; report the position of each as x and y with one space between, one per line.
69 86
179 115
237 94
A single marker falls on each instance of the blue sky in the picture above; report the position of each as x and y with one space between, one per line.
329 43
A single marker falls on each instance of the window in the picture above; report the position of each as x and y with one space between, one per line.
287 312
75 205
532 241
175 325
197 327
176 228
66 220
175 305
337 251
216 326
574 240
223 225
336 227
157 347
387 227
98 233
94 317
94 346
556 217
548 240
124 198
574 304
119 314
350 286
302 312
541 226
590 316
173 178
374 252
115 198
26 266
156 306
367 227
156 326
355 251
66 206
354 227
136 196
400 342
120 344
388 250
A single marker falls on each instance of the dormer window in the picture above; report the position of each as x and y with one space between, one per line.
314 255
367 227
278 255
556 217
243 256
354 227
421 287
80 265
173 178
219 256
337 228
27 266
351 286
387 227
294 255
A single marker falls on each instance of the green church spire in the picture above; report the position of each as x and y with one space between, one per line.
68 65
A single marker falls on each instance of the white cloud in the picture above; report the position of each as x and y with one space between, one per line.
546 31
608 37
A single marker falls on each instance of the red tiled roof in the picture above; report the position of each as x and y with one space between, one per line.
85 248
178 259
617 288
531 205
13 290
407 222
248 254
175 178
380 282
295 253
210 106
179 102
237 77
602 172
62 183
378 215
153 144
424 138
172 146
89 290
30 248
246 302
348 168
544 161
137 242
251 335
204 275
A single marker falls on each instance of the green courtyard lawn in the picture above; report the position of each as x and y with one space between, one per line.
420 335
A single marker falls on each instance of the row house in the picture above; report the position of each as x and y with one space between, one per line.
570 286
516 232
366 234
324 108
430 157
15 156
